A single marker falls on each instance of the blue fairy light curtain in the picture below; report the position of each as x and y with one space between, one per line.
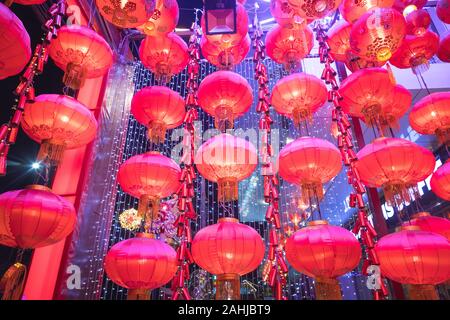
250 207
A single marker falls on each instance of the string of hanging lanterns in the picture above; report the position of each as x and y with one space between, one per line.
346 147
275 269
186 193
25 90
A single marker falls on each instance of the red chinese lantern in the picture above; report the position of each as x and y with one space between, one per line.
298 96
229 39
81 53
163 20
15 52
427 222
440 182
124 13
368 94
431 115
338 39
352 10
444 49
408 6
226 160
443 10
324 252
158 108
378 34
416 51
225 95
417 22
415 257
34 217
225 58
228 249
286 15
289 46
141 264
314 9
164 55
58 123
309 162
395 165
149 177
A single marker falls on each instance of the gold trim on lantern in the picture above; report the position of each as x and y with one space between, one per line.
384 54
145 235
317 223
228 219
421 215
409 228
38 187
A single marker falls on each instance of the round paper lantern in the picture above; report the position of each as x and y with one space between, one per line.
416 51
352 10
298 96
34 217
378 34
416 257
427 222
395 165
164 55
289 46
443 10
309 162
228 249
141 264
431 115
158 108
226 159
440 182
286 15
15 51
324 252
225 58
408 6
338 40
230 39
314 9
444 49
225 95
149 177
58 123
163 20
81 53
124 13
417 22
368 94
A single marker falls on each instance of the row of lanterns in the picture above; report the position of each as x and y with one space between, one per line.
391 163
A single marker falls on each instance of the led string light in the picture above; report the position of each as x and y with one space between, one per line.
346 147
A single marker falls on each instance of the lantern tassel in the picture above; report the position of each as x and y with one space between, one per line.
228 287
74 76
13 281
228 190
138 294
148 210
224 118
51 152
327 289
422 292
156 132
